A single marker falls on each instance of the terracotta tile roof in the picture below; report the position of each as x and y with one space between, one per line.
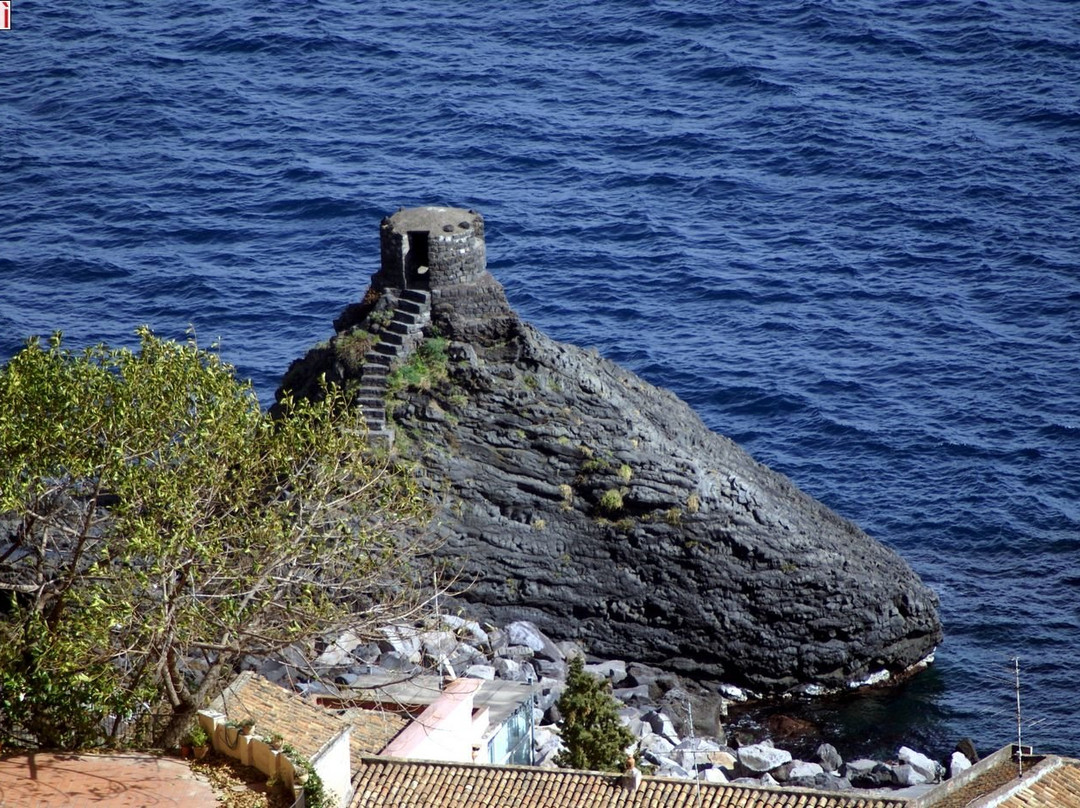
372 730
301 723
1054 783
421 784
989 775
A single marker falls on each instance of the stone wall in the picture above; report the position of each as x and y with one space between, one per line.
431 247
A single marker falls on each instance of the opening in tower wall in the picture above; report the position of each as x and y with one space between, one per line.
416 261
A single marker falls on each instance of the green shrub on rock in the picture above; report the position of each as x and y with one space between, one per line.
611 500
592 732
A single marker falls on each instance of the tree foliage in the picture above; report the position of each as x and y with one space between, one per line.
156 526
592 733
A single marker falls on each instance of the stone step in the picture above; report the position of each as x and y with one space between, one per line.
410 307
386 350
367 403
391 338
373 358
421 296
407 317
381 436
401 327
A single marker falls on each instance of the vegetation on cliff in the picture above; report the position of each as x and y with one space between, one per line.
156 526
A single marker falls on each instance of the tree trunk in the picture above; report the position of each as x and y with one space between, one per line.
176 727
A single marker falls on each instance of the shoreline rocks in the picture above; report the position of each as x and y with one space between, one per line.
656 705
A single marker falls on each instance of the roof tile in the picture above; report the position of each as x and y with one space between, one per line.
1055 782
426 784
304 725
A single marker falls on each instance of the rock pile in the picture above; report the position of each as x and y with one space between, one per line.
678 723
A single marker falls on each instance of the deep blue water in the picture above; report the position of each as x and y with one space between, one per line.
847 233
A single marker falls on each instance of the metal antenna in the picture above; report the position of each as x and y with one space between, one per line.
438 622
435 586
693 751
1019 737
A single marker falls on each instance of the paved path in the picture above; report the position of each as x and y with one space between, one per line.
52 780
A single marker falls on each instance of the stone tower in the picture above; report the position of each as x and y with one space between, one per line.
431 247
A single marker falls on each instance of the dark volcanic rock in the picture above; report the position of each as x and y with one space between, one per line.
585 500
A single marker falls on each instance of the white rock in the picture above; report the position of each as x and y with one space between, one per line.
661 725
570 649
657 744
395 661
548 692
469 628
274 671
626 694
614 669
465 655
485 672
861 766
694 752
829 757
714 776
542 736
803 769
405 640
316 689
762 757
958 763
293 656
669 768
339 652
723 759
510 669
908 775
631 718
930 770
547 745
438 645
733 693
702 745
522 632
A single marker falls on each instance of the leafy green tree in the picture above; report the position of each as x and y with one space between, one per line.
592 733
156 526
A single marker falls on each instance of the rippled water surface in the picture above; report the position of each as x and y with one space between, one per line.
848 234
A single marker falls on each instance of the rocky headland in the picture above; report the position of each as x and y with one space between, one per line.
577 496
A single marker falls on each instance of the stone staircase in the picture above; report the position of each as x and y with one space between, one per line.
411 312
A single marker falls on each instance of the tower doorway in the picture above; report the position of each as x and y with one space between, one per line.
416 261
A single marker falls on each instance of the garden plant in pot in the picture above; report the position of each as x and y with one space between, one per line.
199 741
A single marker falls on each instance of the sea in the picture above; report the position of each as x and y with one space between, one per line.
847 233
